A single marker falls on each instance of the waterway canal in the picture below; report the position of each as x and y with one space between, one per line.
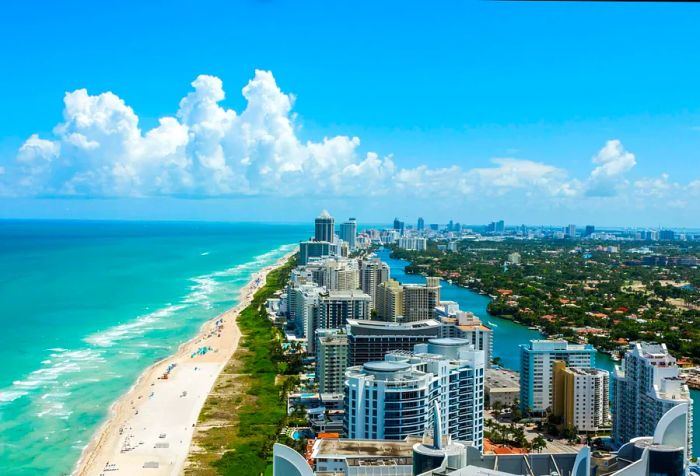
508 335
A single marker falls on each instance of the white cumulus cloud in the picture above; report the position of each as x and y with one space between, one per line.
207 150
612 163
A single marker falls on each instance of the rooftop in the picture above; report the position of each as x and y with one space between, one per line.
364 448
386 366
497 378
586 371
393 325
450 341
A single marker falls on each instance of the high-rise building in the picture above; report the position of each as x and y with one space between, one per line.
348 233
414 243
571 231
419 300
590 229
371 340
325 227
650 235
331 360
389 301
497 227
580 397
645 386
399 226
536 360
394 398
336 307
464 325
333 273
316 249
421 224
373 272
667 235
370 391
303 302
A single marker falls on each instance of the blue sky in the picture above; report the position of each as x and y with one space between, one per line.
552 91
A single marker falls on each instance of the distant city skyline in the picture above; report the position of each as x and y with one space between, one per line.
532 113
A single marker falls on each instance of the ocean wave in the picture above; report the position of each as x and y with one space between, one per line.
11 395
201 290
63 362
81 362
132 329
267 258
55 409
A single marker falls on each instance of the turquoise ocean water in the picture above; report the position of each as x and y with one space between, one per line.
507 335
85 307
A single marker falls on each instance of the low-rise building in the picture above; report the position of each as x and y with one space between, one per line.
464 325
501 387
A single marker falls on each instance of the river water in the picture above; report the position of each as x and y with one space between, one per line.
508 335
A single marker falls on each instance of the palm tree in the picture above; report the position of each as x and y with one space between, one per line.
538 444
497 408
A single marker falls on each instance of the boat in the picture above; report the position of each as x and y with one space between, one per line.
534 328
491 324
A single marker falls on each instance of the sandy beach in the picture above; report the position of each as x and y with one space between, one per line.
150 428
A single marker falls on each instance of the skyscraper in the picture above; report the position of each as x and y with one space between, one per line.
667 235
571 231
303 309
325 227
389 301
646 386
580 396
371 340
536 361
373 272
421 224
333 273
316 249
590 229
419 300
336 307
394 398
348 232
399 226
331 360
413 243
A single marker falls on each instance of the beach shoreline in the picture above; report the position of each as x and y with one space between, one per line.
150 427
